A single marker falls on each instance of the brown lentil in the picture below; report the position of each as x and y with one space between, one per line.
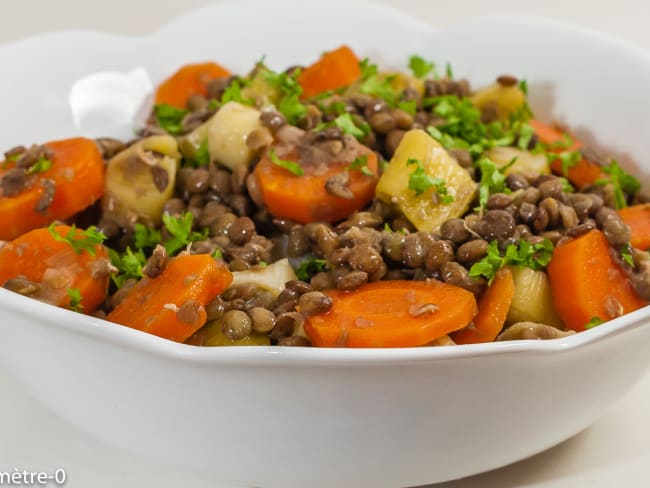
236 324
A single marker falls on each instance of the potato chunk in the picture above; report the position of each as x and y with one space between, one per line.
533 301
139 180
504 100
425 211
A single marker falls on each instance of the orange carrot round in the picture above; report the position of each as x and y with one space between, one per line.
191 79
78 174
492 311
638 218
304 198
392 314
587 283
584 172
335 69
172 305
57 267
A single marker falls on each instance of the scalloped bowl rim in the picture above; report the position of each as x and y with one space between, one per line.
131 338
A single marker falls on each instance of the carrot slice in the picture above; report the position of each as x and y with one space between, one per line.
304 198
392 314
638 218
584 172
78 175
587 283
172 305
492 311
191 79
335 69
56 267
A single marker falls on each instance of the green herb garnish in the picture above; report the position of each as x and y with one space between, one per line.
361 163
75 299
290 166
146 237
180 230
80 240
420 181
169 118
309 267
420 67
376 85
493 180
202 155
534 256
409 106
593 322
448 71
626 255
233 93
289 103
40 166
129 265
623 183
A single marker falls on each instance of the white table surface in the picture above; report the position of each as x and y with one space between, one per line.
614 452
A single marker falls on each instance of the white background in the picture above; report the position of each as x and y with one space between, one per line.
613 452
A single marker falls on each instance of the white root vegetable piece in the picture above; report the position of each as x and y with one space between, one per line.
272 277
532 330
227 132
525 163
532 301
139 180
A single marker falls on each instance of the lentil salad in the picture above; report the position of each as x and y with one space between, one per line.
330 205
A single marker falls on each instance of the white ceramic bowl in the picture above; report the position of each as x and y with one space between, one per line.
282 417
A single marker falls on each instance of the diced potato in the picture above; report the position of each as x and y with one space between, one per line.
424 211
402 81
533 301
227 133
506 100
211 334
190 143
526 162
272 277
131 193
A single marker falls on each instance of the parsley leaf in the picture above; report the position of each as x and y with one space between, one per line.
309 267
217 254
624 183
75 299
420 181
169 118
534 256
129 265
448 71
593 322
180 230
523 86
40 166
409 106
202 155
420 67
567 187
80 240
526 133
361 163
376 85
493 180
232 93
290 166
626 255
145 237
346 123
569 159
289 103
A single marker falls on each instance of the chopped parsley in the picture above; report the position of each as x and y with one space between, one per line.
493 180
361 163
233 93
623 183
375 84
626 255
289 103
217 254
180 230
75 299
40 166
420 181
146 237
523 86
290 166
309 267
202 155
346 123
420 67
169 118
409 106
80 240
129 265
448 71
526 133
534 256
593 322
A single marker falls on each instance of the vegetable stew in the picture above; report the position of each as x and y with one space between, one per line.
334 204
